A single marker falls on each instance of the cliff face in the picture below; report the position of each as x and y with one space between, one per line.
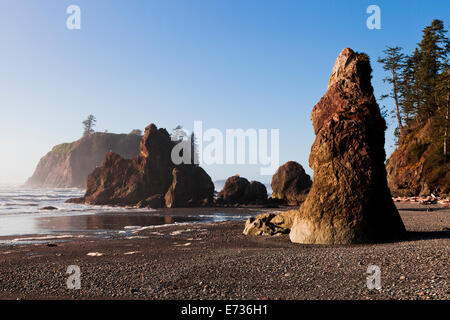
69 164
417 166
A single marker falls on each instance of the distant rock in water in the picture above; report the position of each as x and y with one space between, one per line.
144 179
219 184
238 190
417 166
49 208
290 183
69 164
349 200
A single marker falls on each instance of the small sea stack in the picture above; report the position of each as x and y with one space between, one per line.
291 184
349 201
238 190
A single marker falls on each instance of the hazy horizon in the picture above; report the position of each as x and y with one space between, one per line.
263 66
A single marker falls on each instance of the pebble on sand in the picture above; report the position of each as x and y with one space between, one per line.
94 254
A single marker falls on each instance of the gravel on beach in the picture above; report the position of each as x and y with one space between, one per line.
216 261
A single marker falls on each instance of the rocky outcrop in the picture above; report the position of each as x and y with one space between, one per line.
349 200
69 164
290 183
270 224
417 166
191 186
144 179
234 190
239 190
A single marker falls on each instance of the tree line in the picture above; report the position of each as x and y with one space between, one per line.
90 123
420 85
178 135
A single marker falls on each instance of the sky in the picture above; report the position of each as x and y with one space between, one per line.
228 63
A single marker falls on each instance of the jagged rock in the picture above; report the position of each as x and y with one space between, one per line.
269 224
291 183
67 165
191 186
238 190
349 201
122 182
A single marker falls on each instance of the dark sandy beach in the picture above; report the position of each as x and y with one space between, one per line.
216 261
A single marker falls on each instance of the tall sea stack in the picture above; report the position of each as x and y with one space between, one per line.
349 201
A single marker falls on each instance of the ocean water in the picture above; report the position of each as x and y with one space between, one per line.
21 216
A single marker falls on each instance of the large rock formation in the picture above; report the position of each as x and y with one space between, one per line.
290 183
417 166
191 186
69 164
144 179
239 190
349 200
234 189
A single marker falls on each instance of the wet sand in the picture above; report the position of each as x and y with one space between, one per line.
216 261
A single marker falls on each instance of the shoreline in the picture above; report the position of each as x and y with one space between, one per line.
113 223
216 261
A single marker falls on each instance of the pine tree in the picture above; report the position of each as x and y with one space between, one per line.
178 133
443 102
408 95
393 62
137 132
194 150
182 136
432 51
89 125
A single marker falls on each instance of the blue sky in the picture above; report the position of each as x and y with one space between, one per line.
232 64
